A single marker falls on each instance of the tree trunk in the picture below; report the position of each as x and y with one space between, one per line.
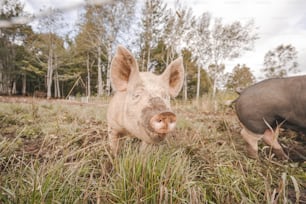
148 58
1 79
49 73
100 82
215 80
1 84
55 85
57 93
198 83
185 85
143 62
24 84
57 80
58 86
88 76
214 88
109 58
167 56
14 91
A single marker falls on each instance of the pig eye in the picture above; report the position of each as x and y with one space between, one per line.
165 96
135 96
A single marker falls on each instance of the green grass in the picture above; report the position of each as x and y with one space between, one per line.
58 153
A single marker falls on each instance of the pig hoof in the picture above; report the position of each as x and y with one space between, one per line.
251 153
279 153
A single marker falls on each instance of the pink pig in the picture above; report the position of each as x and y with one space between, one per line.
141 104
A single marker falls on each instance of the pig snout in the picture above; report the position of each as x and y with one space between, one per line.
163 123
158 119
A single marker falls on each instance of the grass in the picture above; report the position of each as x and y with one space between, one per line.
58 153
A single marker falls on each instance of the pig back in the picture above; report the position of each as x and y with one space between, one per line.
273 101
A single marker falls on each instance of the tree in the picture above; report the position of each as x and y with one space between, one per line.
85 50
49 26
280 61
23 59
92 36
153 15
12 52
190 88
240 77
104 25
198 40
216 73
213 44
229 41
49 53
178 23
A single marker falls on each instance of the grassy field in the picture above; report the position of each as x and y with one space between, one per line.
57 152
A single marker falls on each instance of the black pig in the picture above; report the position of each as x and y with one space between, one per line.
264 107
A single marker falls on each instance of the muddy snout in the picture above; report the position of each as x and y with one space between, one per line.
163 123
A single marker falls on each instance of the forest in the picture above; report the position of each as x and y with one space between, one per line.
50 59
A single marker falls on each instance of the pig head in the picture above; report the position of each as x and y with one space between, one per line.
268 105
141 104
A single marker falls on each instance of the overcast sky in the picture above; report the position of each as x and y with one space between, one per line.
278 22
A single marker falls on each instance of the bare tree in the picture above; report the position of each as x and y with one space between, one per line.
178 24
153 16
280 61
199 43
103 25
229 41
213 44
51 24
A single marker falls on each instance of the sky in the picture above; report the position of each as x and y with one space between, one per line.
278 21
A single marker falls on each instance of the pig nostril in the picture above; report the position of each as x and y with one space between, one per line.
163 123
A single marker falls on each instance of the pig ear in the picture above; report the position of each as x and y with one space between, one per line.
123 68
174 75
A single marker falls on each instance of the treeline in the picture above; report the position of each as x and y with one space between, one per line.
51 61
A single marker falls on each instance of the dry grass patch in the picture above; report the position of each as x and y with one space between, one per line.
58 153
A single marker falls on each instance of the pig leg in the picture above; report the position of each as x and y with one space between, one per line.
270 138
252 142
114 137
145 147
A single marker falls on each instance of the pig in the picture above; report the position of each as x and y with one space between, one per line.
268 105
140 106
